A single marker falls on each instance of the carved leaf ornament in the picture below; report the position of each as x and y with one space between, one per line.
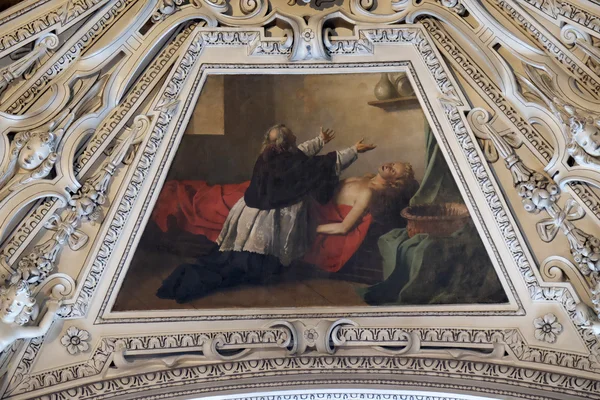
96 95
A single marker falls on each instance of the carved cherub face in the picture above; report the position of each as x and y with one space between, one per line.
34 152
587 135
16 304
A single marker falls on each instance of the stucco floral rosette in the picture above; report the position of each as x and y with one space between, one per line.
547 328
76 340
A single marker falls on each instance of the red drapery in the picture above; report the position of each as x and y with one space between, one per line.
202 209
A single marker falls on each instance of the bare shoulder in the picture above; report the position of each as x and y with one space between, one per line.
365 192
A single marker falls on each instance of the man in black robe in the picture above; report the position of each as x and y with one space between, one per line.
271 226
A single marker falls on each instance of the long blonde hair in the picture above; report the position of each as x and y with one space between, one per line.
388 202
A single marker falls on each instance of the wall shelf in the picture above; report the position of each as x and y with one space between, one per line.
397 102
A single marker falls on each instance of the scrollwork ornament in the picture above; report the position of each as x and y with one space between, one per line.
560 269
18 68
104 21
79 307
367 4
582 40
473 72
455 5
166 8
335 45
134 353
249 6
582 131
580 128
15 38
570 34
84 206
137 353
218 6
540 193
33 154
570 11
323 337
536 190
537 32
479 118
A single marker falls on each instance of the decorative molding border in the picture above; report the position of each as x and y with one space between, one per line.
210 376
555 50
59 18
345 394
102 135
23 382
570 11
384 36
126 205
395 342
471 72
414 351
63 60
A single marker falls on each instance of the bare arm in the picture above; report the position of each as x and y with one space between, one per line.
358 209
42 328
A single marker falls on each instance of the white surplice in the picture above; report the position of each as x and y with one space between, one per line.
286 232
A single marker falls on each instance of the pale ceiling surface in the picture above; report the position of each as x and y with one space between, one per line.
138 264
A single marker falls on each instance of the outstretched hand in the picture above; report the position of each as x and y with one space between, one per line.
362 147
327 135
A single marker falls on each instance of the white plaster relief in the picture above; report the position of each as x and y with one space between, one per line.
306 342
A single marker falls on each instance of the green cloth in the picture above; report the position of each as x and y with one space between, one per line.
438 185
435 270
426 270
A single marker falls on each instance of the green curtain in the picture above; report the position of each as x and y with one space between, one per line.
435 270
438 184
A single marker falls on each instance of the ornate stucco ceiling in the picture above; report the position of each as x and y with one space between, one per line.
95 98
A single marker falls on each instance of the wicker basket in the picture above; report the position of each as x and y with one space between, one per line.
435 219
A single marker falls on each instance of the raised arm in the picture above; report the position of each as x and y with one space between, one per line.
346 157
358 210
314 146
28 332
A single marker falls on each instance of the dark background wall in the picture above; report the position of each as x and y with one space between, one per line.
224 136
248 104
